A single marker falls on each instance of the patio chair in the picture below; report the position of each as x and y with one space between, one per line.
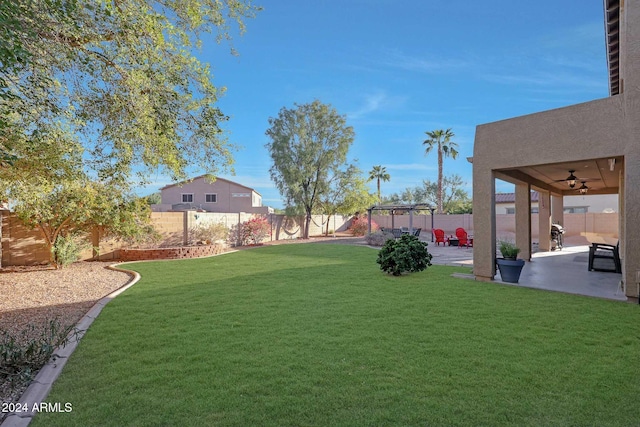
397 232
417 231
603 257
463 237
439 236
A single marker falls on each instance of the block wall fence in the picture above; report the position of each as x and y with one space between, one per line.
23 246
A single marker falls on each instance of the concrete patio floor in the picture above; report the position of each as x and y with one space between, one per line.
561 271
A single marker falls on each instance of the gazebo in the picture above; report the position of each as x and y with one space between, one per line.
402 208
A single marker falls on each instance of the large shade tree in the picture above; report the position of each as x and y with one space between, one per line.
118 75
309 145
440 141
379 173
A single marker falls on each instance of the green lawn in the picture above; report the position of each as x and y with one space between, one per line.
317 335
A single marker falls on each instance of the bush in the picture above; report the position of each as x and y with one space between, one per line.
22 355
360 226
66 250
255 231
378 238
407 254
509 250
209 233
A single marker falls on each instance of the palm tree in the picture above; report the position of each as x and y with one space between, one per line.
379 173
442 140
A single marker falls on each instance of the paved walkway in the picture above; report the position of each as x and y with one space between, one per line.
561 271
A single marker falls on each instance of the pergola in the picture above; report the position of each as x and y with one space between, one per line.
402 208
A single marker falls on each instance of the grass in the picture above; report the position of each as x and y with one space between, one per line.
316 335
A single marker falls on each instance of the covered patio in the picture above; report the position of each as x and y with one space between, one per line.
559 271
589 148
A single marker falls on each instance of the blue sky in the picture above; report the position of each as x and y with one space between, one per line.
398 68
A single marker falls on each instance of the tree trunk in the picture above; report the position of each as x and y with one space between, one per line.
307 224
440 181
327 229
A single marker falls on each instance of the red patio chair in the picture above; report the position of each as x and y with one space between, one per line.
463 238
439 235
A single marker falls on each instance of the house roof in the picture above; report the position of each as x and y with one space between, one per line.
511 197
181 183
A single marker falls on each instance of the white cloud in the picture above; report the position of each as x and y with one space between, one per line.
377 101
397 59
372 103
561 79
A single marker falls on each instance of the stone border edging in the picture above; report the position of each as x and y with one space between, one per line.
40 387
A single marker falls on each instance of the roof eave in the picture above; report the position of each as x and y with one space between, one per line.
612 41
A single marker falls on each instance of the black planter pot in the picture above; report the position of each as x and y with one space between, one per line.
510 269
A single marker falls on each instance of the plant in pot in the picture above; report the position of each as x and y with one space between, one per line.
510 267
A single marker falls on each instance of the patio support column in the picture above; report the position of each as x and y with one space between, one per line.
523 220
630 223
544 221
368 221
484 222
411 220
557 210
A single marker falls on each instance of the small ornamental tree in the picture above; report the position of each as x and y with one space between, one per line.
74 206
407 254
255 230
360 226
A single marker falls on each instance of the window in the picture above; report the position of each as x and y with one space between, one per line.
187 198
577 209
513 210
211 198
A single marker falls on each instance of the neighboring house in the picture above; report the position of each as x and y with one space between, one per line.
506 203
597 203
221 195
554 151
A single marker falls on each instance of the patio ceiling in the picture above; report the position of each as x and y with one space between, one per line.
599 176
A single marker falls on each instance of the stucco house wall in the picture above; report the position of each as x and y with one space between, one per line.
221 195
604 128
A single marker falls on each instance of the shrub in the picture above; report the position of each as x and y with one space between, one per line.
509 250
22 355
360 226
255 230
378 238
209 233
407 254
66 250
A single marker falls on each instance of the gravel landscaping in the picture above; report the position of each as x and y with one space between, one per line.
33 296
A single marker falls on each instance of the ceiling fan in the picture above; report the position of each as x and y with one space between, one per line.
572 180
